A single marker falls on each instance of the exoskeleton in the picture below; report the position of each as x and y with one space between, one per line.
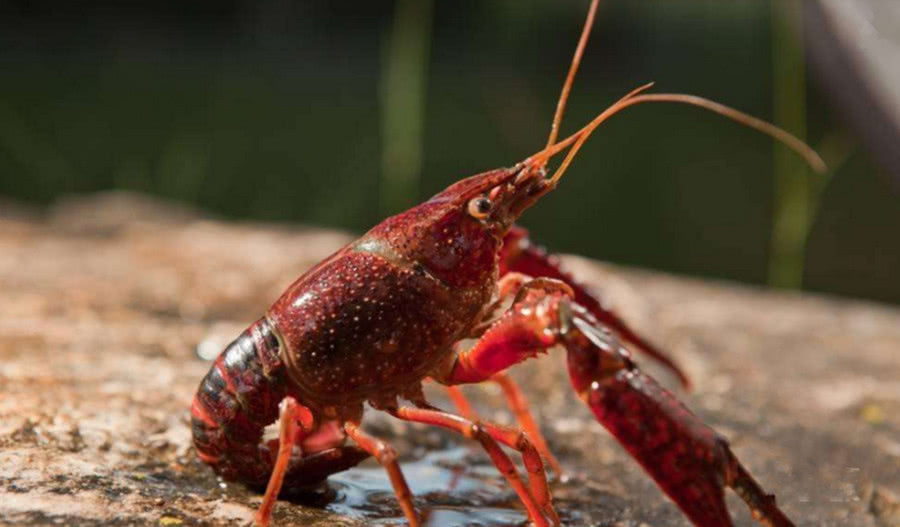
377 318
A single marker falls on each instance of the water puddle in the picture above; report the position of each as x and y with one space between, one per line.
458 491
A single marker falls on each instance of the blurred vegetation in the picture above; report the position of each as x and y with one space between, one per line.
289 111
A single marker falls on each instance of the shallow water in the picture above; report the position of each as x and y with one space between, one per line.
458 492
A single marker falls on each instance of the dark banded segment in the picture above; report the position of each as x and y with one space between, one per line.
236 400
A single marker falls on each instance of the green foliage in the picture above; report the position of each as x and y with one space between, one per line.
277 112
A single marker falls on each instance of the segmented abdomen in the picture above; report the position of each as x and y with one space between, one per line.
236 400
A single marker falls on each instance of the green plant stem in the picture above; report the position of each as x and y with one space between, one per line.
792 186
403 87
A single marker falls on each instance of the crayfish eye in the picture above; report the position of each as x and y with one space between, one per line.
480 207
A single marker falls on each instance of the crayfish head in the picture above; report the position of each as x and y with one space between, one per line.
496 199
457 234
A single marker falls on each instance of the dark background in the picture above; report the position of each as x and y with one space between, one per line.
275 111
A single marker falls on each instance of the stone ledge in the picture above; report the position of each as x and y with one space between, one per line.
102 314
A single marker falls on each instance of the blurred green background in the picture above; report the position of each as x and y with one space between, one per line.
339 113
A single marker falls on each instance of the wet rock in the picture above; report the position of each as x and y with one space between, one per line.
102 317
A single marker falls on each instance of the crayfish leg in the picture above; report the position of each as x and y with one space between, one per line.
536 497
461 402
518 404
288 426
516 401
290 472
387 457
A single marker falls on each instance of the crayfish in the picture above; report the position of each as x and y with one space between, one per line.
386 312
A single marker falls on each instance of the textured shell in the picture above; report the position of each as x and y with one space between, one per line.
374 319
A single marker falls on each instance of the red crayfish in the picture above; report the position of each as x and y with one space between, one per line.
370 323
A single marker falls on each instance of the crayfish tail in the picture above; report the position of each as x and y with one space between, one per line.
234 403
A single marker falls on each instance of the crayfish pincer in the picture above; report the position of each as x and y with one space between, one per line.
373 321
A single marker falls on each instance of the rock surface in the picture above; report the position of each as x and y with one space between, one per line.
107 301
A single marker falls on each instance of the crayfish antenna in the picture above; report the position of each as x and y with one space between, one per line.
538 161
635 97
570 78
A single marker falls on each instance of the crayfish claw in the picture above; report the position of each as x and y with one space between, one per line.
687 459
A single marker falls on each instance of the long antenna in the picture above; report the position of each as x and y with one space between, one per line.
570 78
577 140
540 159
635 97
